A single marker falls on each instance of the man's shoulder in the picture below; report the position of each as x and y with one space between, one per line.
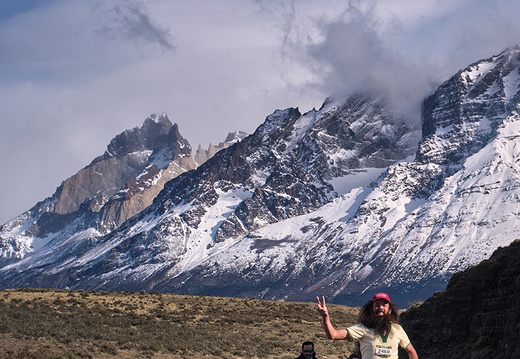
397 326
357 331
398 329
359 325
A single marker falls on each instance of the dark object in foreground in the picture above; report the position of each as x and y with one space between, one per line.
478 316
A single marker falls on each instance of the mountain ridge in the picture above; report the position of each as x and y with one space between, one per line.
337 201
112 188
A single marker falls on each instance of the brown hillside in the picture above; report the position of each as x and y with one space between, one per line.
44 324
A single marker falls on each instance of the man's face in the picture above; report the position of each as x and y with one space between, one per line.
307 351
381 307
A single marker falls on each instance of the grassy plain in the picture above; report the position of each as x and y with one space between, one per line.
52 324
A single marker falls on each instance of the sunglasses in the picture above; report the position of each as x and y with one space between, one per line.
307 351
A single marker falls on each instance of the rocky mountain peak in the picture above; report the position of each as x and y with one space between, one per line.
462 115
267 178
112 188
202 155
138 139
159 118
169 146
236 136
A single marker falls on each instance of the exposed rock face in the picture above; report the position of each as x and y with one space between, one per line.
465 111
362 129
280 172
114 187
202 155
477 317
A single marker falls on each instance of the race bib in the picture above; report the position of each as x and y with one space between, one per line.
383 351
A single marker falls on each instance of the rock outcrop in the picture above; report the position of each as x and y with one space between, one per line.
202 155
476 317
112 188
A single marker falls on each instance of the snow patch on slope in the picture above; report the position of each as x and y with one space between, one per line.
200 243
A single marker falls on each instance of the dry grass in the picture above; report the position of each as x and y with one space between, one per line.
45 324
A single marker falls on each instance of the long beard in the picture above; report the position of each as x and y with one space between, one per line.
380 324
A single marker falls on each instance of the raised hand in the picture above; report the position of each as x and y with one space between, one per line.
322 307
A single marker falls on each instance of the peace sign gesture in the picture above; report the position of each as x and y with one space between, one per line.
330 331
322 307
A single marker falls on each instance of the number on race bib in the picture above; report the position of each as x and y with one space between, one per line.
382 351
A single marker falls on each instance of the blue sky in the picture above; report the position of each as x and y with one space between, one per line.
14 7
75 73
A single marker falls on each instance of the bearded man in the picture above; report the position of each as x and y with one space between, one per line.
378 332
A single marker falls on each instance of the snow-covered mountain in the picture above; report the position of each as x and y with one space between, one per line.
113 188
330 202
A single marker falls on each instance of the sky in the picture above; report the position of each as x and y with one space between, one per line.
75 73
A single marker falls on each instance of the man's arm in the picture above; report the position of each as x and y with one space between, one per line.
412 354
330 331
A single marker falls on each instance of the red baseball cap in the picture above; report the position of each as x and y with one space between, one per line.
381 296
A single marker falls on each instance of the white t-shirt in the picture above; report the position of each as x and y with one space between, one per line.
376 346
